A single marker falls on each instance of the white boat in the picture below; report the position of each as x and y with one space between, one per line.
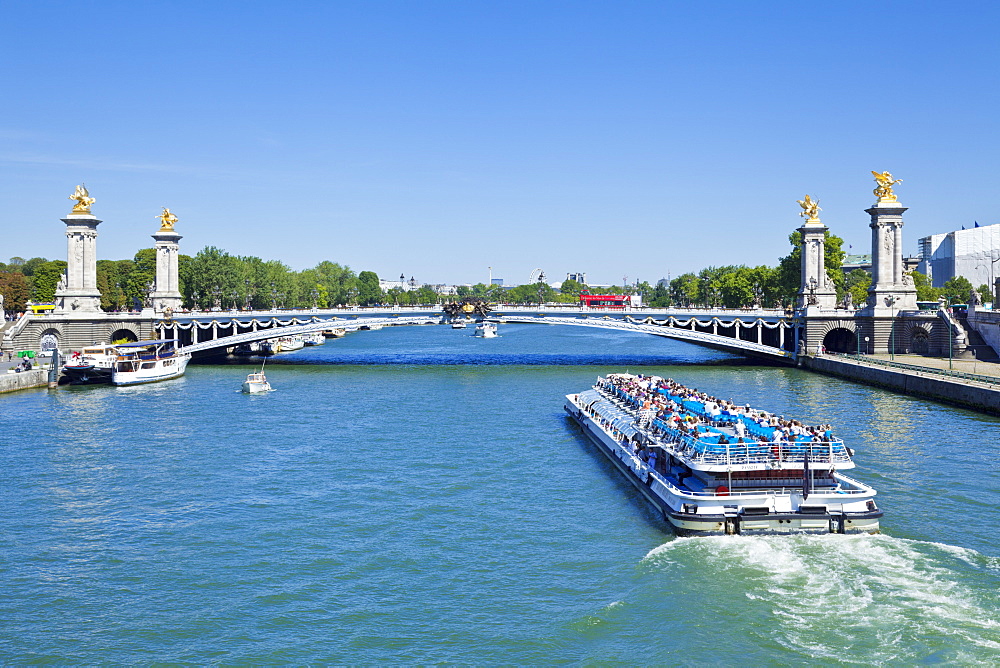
728 473
148 362
90 365
373 328
287 344
334 333
458 324
487 330
256 382
314 339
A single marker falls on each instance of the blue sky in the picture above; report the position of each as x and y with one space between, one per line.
436 139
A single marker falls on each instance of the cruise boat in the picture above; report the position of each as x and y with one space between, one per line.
91 365
486 330
714 471
148 362
334 333
458 324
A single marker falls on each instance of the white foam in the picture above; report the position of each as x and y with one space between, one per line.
892 594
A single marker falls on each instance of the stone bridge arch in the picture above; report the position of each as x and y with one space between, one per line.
121 330
51 337
916 338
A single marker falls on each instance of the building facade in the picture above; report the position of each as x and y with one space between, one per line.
973 253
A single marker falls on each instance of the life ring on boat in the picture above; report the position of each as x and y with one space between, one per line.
722 490
776 451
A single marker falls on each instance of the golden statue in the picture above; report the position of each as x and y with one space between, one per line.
810 209
167 220
83 199
884 188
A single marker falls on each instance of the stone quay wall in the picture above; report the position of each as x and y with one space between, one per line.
9 382
968 394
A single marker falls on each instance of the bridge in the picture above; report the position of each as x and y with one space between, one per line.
768 334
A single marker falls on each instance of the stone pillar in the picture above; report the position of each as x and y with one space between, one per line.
816 289
892 290
167 290
78 292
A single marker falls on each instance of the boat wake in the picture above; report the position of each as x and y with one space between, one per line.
867 599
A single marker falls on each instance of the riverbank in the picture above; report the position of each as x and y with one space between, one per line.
11 382
968 383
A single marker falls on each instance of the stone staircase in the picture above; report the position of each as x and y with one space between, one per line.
975 346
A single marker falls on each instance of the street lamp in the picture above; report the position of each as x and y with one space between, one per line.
274 297
890 301
194 300
315 296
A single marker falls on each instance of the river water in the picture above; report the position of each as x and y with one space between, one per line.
416 495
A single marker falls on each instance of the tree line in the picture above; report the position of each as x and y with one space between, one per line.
215 279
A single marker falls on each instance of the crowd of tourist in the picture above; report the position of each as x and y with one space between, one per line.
682 411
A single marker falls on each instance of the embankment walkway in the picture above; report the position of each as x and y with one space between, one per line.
968 383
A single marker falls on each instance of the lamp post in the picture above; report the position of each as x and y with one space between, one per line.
315 296
246 303
274 297
194 300
890 302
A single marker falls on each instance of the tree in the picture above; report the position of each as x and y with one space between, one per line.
369 292
15 291
572 290
925 292
857 283
684 289
45 278
957 290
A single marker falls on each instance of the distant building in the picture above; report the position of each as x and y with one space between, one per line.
972 253
496 281
578 277
852 262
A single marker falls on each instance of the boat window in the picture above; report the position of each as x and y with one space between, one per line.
148 365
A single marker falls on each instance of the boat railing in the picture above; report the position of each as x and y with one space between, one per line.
708 449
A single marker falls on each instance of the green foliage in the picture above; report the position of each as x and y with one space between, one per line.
925 293
369 292
571 289
15 290
45 278
985 293
857 283
957 290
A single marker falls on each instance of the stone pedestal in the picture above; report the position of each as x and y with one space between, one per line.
892 290
166 290
79 293
817 291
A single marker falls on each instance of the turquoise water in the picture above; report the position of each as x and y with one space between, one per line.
415 495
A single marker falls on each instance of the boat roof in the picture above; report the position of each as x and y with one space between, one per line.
136 344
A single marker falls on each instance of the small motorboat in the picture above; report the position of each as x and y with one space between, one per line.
458 324
486 330
256 382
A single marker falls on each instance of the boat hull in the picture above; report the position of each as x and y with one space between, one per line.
754 513
256 388
86 375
